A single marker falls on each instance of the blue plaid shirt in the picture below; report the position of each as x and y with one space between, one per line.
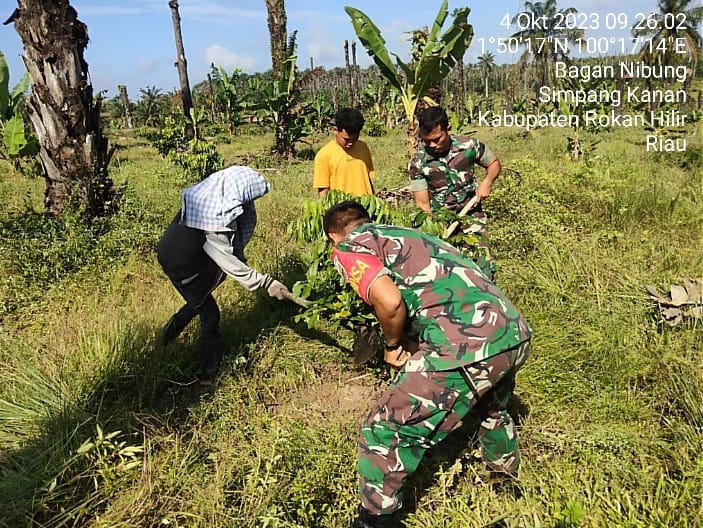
224 201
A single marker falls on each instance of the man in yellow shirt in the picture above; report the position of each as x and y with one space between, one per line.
345 162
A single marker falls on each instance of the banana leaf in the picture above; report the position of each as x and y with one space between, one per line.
375 44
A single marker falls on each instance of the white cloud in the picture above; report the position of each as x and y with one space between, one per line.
324 52
221 56
396 33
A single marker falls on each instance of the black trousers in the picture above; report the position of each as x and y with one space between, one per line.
197 292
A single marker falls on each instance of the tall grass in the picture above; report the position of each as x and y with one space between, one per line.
102 426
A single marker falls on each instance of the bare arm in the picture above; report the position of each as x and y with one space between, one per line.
422 200
390 310
322 191
486 186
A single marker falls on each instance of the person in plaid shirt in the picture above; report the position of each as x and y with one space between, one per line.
442 175
203 244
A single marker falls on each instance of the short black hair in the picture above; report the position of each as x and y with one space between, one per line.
341 215
349 119
431 117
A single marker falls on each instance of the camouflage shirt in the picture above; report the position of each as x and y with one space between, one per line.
460 316
449 178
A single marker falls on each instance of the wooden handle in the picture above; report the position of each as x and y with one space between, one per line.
297 300
469 205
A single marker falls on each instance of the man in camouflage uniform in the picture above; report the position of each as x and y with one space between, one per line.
472 341
442 175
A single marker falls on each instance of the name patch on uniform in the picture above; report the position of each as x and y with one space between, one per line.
358 269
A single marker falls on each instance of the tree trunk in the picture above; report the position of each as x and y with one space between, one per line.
213 108
61 108
313 84
127 107
182 66
461 106
686 107
350 96
354 75
278 35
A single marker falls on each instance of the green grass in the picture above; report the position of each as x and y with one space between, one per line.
610 404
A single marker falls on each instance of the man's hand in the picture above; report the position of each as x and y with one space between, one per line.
483 190
276 289
396 357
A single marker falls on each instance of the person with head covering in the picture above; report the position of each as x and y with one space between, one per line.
204 243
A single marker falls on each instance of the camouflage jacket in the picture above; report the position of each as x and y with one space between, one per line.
460 316
450 178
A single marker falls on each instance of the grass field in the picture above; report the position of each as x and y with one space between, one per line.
101 427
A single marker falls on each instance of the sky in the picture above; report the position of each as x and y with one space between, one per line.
132 41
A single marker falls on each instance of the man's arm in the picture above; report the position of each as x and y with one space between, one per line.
218 247
388 304
422 200
486 186
418 184
321 173
370 167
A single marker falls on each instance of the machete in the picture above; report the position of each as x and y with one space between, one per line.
469 205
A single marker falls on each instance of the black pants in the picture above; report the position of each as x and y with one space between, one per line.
209 314
197 292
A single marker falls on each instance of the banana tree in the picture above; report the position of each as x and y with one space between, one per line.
16 142
438 56
279 103
228 96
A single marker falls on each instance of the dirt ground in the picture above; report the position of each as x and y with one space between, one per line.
334 400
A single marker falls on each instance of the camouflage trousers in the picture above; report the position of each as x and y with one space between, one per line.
420 409
476 224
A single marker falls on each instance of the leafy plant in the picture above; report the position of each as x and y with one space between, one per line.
229 97
570 516
197 158
150 106
17 145
322 112
334 301
110 458
279 104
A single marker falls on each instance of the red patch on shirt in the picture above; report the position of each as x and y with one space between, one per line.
358 269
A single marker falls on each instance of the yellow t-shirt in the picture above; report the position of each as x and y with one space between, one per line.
349 170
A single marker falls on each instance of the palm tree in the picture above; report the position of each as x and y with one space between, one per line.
486 63
278 35
182 66
65 116
122 89
676 19
149 106
544 42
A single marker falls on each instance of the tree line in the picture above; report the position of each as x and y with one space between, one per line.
291 101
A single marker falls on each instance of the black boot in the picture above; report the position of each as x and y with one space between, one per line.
210 358
367 519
